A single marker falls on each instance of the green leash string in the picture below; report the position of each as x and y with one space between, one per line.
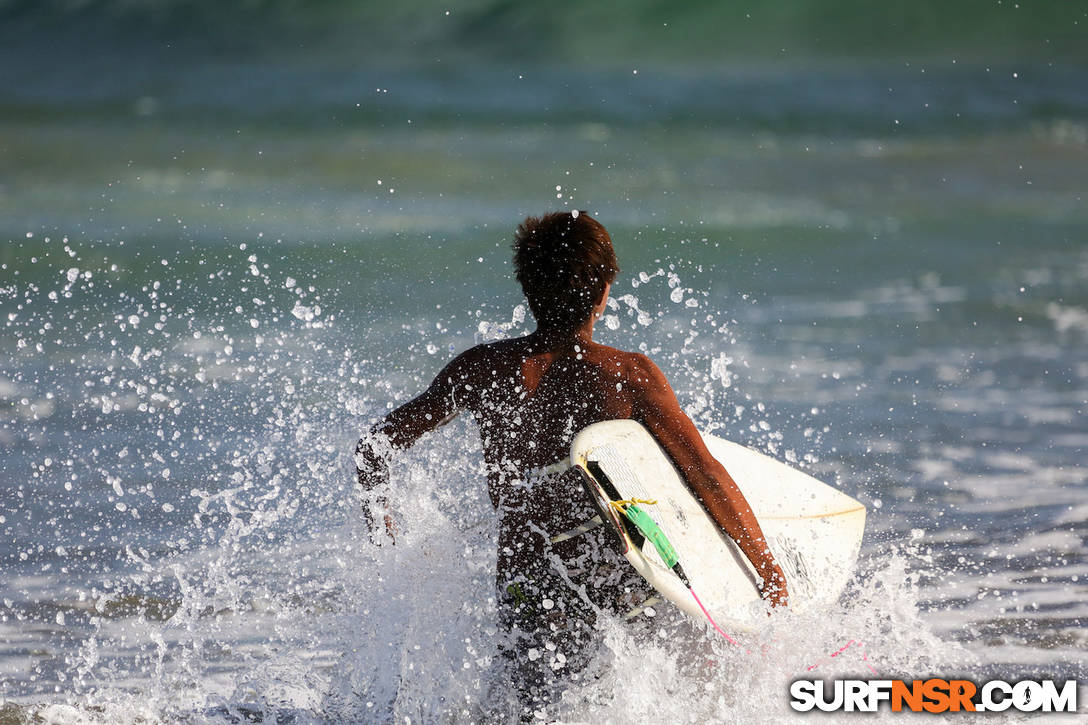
653 533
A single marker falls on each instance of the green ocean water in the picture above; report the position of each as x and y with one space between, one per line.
602 33
852 235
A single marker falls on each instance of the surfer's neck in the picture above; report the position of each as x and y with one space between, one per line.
551 336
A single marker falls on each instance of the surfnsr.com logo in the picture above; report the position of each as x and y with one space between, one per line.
933 695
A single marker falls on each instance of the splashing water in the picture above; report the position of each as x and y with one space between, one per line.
871 269
189 531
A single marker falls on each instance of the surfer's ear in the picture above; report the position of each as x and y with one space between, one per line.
602 303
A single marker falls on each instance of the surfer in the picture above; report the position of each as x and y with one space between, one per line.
529 396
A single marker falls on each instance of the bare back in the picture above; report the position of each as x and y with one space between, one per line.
529 400
529 397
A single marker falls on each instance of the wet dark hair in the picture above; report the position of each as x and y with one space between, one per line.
563 261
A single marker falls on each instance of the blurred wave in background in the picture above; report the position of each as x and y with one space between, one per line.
231 234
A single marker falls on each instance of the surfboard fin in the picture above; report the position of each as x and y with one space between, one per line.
651 601
578 530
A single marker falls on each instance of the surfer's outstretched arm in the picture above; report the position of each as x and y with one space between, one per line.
656 407
404 426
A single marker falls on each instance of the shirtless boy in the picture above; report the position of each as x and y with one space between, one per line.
529 396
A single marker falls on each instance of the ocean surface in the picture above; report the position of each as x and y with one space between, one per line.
223 254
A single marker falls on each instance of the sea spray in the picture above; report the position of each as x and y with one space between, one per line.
266 597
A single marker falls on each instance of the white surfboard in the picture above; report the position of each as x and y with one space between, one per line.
813 530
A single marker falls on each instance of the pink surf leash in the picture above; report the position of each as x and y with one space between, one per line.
730 640
653 533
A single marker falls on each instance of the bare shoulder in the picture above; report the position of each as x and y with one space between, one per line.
468 363
635 371
647 387
481 360
497 352
634 368
644 370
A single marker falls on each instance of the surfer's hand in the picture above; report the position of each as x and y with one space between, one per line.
774 589
390 529
379 537
776 594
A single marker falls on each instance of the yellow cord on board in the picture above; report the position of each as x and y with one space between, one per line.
622 504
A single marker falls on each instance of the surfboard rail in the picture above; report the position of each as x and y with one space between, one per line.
813 529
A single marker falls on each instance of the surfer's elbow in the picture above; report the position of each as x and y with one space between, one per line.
711 480
364 460
363 455
370 458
